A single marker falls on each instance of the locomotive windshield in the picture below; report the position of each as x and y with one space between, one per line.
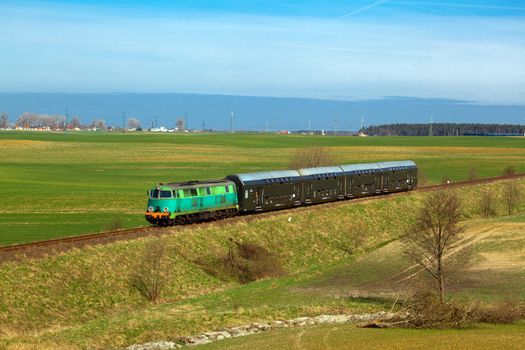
155 194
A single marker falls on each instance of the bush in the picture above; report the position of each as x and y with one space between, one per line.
311 157
510 170
244 262
114 224
425 310
248 262
487 203
151 272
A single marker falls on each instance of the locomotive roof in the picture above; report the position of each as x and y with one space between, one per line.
263 175
197 183
320 170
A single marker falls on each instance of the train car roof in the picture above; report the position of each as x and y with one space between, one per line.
348 168
397 164
320 170
266 175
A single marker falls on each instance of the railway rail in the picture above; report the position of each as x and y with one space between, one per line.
41 248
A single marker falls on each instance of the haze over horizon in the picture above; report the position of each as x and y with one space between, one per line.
472 53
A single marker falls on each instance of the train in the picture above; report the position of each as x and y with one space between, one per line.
192 201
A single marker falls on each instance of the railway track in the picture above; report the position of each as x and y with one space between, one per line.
41 248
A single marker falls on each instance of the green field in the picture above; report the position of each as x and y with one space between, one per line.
82 299
56 184
350 337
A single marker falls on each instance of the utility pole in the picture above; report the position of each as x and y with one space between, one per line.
267 129
231 122
335 125
186 126
309 125
362 130
66 119
430 131
123 121
156 122
203 125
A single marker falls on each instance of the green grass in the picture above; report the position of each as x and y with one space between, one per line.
56 184
82 298
350 337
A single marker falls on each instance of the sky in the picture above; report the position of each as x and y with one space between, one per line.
339 50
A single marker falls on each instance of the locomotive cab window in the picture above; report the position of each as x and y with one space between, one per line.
165 194
154 194
227 189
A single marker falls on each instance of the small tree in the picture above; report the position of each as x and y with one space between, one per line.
311 157
487 204
151 272
512 195
433 237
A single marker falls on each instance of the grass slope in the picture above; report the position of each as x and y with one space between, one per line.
56 184
82 299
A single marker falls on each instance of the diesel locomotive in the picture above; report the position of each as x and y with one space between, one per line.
191 201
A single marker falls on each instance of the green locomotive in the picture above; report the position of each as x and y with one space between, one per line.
186 202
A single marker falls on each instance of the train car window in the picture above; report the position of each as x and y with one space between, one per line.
193 192
245 193
227 189
208 191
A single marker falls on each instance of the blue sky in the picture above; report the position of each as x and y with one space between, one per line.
348 50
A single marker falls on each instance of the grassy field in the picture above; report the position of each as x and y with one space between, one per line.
56 184
82 299
350 337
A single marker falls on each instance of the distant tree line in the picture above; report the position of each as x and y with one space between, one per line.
443 129
28 120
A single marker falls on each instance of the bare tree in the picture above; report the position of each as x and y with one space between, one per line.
75 123
98 124
432 240
151 272
133 123
4 120
512 195
487 203
311 157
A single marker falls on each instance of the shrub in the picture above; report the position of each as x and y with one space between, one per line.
425 310
114 224
487 203
151 272
248 262
509 170
244 262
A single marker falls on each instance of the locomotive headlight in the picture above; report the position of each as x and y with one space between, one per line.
165 210
150 209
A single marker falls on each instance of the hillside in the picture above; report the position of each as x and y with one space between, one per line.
337 258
